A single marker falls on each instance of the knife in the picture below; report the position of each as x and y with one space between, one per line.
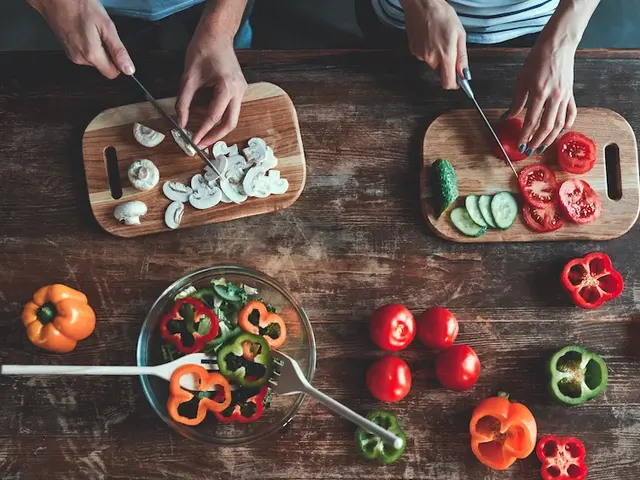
466 86
183 134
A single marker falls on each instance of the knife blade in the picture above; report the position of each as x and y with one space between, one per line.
183 134
466 87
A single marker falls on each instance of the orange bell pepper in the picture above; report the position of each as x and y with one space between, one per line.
57 318
205 380
271 326
502 432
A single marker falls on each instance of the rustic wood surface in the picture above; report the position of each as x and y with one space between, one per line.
267 112
354 240
462 138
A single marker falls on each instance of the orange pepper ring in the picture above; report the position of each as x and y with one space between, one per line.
265 319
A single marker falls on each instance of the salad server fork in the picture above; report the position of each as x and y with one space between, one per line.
288 379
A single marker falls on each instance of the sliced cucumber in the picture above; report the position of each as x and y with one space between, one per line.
484 203
504 209
445 184
463 222
471 203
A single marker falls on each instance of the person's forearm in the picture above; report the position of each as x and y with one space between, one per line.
568 23
223 17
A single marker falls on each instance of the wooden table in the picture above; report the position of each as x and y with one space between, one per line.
354 240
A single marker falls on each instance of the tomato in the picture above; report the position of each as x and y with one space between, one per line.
545 219
458 368
389 379
538 185
579 201
392 327
437 328
508 131
576 153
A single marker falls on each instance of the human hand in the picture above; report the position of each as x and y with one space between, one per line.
212 62
437 37
545 87
87 34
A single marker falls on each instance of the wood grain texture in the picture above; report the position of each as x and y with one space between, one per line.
354 240
462 138
267 112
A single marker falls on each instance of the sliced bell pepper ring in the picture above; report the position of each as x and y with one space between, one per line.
189 325
255 318
562 458
205 380
591 280
234 364
243 409
502 432
372 447
205 295
576 375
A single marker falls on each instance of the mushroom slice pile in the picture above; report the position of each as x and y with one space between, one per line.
259 153
232 179
130 212
147 137
176 191
143 174
173 214
220 148
186 147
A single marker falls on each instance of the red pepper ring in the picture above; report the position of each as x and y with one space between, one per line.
236 413
200 312
562 458
592 280
265 324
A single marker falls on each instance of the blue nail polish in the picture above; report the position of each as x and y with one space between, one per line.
529 152
542 148
467 73
522 148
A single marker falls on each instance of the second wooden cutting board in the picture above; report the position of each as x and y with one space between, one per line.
462 138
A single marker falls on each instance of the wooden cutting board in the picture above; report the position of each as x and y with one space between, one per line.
267 112
462 138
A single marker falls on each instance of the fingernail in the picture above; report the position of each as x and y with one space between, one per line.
522 148
467 73
541 148
529 152
129 69
504 115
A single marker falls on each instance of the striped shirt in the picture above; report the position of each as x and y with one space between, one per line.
485 21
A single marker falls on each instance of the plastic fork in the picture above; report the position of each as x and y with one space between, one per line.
288 379
164 370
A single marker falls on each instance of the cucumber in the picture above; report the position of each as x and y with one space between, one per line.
504 209
463 222
445 185
471 204
485 209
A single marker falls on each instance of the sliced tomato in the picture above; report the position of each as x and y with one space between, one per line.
508 132
576 153
543 219
579 202
538 185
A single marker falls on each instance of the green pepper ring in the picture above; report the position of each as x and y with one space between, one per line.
265 358
577 377
372 447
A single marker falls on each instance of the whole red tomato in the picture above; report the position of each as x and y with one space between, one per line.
458 368
437 328
392 327
389 379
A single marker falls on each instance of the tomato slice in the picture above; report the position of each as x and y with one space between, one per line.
544 219
508 131
576 153
538 185
578 200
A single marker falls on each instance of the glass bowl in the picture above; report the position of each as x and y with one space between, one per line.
299 344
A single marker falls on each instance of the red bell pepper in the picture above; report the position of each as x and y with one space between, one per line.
241 410
591 280
188 333
562 458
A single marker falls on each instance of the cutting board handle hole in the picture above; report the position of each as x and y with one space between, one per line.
113 172
614 176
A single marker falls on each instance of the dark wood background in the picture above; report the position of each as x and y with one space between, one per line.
354 240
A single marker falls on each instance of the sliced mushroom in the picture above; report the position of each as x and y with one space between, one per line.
232 190
143 174
256 149
221 163
147 137
255 183
205 198
277 185
176 191
130 212
270 160
220 148
186 147
173 214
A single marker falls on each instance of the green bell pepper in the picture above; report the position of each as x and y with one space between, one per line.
247 360
576 375
372 447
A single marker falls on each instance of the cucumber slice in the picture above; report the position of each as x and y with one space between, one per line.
504 209
463 222
471 203
485 209
445 184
